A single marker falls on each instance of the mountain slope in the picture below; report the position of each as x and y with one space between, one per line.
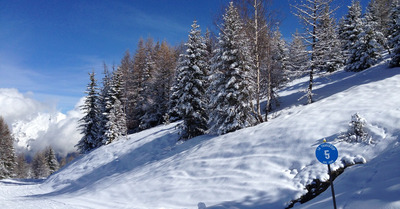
265 166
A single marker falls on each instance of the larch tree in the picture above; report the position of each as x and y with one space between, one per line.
191 83
22 167
311 12
160 86
7 153
144 66
40 168
231 82
90 122
129 90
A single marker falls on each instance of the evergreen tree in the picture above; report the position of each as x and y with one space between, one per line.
191 85
90 122
367 50
103 108
382 15
51 160
116 118
350 28
174 113
395 35
298 57
280 58
7 154
393 27
329 56
375 18
231 82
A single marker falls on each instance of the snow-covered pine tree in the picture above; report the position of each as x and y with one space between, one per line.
393 25
310 13
90 122
382 10
174 113
115 113
102 104
191 85
350 27
395 35
51 159
280 58
298 57
7 153
376 16
329 56
257 22
231 82
367 50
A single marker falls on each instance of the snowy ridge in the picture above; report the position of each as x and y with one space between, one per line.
265 166
27 130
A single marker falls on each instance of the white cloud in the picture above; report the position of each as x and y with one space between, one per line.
36 125
16 106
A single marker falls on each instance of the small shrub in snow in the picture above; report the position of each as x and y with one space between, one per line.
357 131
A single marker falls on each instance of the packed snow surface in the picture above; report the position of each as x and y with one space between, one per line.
265 166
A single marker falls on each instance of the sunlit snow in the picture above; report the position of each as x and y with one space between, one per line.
265 166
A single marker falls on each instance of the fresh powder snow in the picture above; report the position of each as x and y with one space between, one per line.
265 166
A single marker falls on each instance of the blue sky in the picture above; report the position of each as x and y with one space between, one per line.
47 47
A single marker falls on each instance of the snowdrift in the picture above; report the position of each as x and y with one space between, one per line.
265 166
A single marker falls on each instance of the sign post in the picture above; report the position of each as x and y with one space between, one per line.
327 154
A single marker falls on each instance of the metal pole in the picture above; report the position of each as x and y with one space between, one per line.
331 182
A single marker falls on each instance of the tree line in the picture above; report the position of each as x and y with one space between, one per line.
13 165
215 84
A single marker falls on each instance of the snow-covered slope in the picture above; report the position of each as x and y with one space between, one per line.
265 166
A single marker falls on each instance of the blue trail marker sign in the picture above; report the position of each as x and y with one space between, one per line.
327 154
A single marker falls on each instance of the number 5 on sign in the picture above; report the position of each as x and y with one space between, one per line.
327 154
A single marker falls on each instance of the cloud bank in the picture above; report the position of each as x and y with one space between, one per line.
36 125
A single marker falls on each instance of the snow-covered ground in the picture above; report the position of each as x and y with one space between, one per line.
265 166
